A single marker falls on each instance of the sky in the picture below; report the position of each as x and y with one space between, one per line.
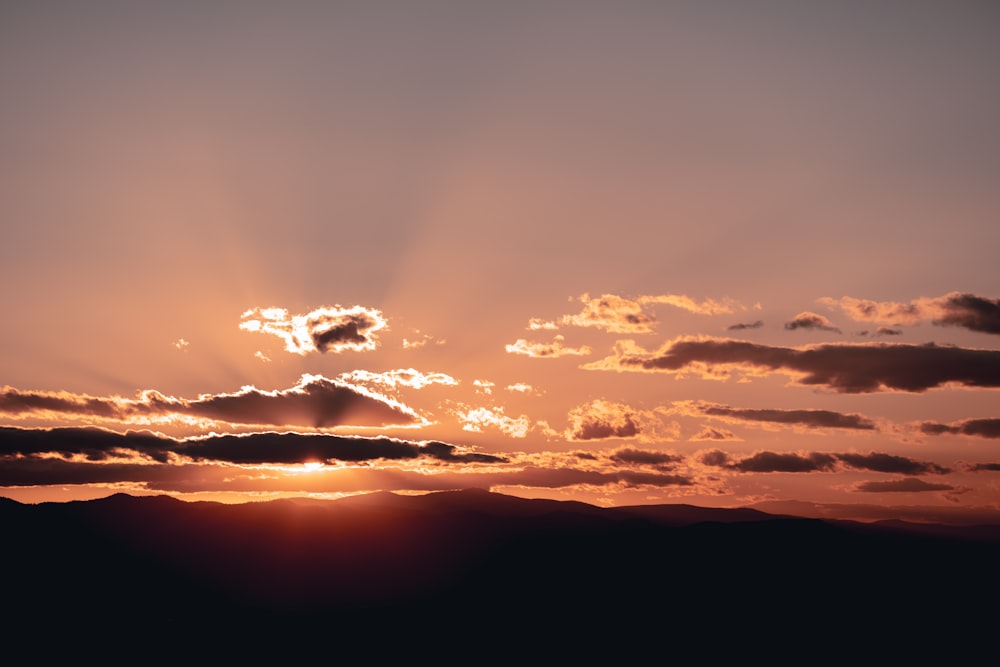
720 253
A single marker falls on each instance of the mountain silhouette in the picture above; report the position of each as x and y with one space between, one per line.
543 578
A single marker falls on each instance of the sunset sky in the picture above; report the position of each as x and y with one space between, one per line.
719 253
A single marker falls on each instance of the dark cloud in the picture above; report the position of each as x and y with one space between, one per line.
631 455
746 325
819 462
304 447
969 311
315 402
714 457
335 333
984 428
810 418
886 331
809 320
255 448
92 443
891 463
845 368
907 485
775 462
988 467
771 462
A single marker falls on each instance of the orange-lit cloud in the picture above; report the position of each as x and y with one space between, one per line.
616 314
807 320
314 402
845 368
551 350
706 307
600 420
714 435
983 428
611 313
325 329
954 309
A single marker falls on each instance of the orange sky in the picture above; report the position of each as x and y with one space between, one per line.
619 252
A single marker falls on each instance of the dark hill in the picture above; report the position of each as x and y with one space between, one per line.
563 578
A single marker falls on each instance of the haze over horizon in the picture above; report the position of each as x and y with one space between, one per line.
722 254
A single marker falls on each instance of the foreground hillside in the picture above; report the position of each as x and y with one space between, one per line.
507 573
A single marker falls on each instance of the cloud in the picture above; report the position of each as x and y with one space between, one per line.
315 402
907 485
808 418
844 368
406 377
959 309
988 467
644 457
611 313
521 388
255 448
181 344
809 320
886 331
770 462
536 324
600 420
746 325
891 463
765 461
713 434
546 350
325 329
329 480
706 307
616 314
476 419
984 428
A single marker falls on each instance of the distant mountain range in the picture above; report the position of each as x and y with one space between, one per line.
411 572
